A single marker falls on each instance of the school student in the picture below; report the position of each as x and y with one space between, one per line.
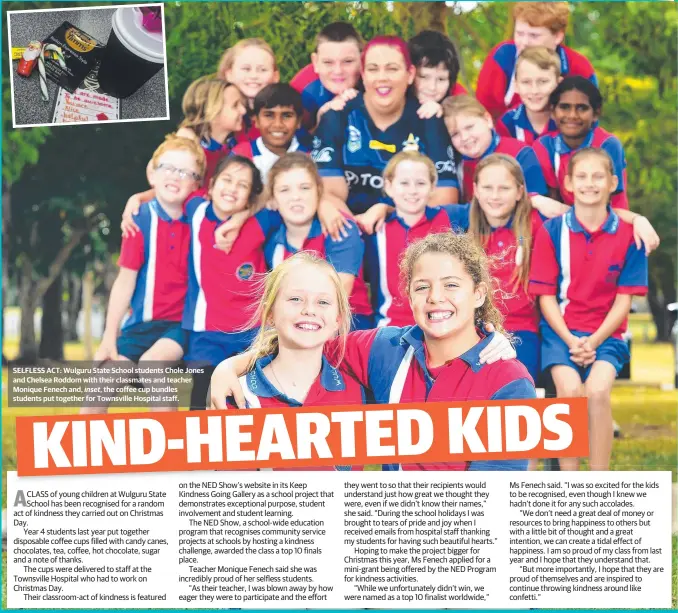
303 306
277 113
576 105
537 75
472 133
585 269
442 357
250 65
147 297
295 188
334 70
536 24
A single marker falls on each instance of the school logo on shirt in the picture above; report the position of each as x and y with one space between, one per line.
613 273
323 156
355 140
412 143
245 271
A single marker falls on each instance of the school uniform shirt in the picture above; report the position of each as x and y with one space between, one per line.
496 81
249 130
383 250
221 288
586 270
516 124
214 152
262 156
392 363
516 305
554 157
348 144
345 255
159 254
523 154
332 387
313 93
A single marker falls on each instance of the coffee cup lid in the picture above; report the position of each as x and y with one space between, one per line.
127 25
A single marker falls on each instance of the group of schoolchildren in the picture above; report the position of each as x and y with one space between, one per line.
406 301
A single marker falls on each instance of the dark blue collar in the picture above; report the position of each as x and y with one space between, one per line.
209 144
279 237
415 338
561 145
610 226
162 213
212 216
429 213
330 379
493 145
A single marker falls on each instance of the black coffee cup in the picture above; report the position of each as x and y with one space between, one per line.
132 56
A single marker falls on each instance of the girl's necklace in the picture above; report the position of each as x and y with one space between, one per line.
297 396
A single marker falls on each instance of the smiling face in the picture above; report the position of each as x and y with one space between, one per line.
296 194
174 177
337 65
277 127
306 309
534 85
410 188
574 115
386 78
432 83
443 296
497 193
591 182
525 35
470 134
230 190
253 69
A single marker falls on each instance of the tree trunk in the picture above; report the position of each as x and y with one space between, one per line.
28 347
33 291
6 225
87 297
74 283
52 330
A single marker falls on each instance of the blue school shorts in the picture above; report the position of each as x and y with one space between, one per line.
554 351
136 340
210 348
528 348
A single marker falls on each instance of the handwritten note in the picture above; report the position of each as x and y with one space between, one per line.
85 105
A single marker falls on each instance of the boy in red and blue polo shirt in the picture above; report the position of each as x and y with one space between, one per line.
148 295
536 24
537 76
277 111
334 68
576 106
585 268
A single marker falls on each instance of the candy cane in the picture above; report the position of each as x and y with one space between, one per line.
41 67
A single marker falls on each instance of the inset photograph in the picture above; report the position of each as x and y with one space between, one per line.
87 65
